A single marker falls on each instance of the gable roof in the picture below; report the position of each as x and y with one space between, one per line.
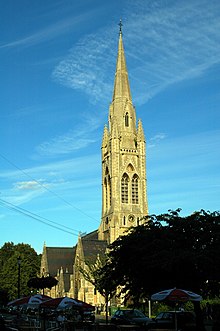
91 235
92 246
58 257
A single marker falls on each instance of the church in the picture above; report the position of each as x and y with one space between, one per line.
124 193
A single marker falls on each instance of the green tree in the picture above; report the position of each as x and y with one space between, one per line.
169 251
99 275
42 282
29 268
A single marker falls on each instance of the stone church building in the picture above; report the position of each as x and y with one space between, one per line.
124 196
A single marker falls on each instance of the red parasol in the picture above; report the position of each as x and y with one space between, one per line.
85 305
60 303
33 300
176 295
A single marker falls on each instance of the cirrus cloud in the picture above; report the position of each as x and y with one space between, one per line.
161 38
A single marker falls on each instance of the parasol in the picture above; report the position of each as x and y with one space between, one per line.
31 301
60 303
176 295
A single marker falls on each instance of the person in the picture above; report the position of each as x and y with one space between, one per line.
208 311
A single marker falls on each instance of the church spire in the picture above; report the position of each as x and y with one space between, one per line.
121 85
123 160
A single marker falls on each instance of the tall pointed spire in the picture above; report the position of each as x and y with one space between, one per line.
121 85
123 160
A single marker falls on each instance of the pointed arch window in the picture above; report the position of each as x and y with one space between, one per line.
134 189
106 193
124 189
107 189
126 120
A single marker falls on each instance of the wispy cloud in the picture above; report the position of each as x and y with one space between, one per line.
165 42
63 144
179 40
86 66
81 137
48 33
58 169
27 185
153 141
21 186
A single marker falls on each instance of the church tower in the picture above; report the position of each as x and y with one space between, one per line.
124 191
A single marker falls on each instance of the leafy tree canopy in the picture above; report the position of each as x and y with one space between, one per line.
100 276
169 251
29 268
42 282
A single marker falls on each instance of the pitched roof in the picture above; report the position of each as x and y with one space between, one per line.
58 257
91 235
92 247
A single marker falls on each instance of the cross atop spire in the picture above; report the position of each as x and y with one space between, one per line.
120 26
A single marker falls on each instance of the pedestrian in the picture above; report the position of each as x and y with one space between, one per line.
208 311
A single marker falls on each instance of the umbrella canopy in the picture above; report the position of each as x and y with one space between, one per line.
60 303
84 305
33 300
176 295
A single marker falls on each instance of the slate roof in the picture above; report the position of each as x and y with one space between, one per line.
58 257
91 235
92 246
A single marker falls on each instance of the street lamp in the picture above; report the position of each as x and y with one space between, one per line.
19 276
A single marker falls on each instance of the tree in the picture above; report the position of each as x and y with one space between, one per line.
98 274
30 267
42 282
169 251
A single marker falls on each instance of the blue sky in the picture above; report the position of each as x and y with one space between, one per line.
57 71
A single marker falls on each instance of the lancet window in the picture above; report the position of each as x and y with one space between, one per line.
124 188
134 189
107 190
126 119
